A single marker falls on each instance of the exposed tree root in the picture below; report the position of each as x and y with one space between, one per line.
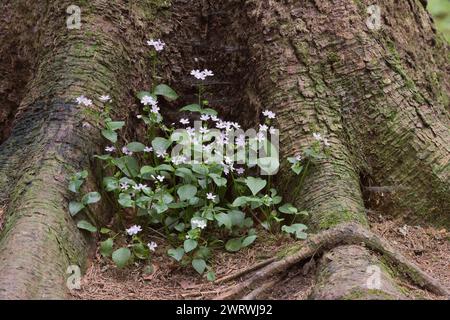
245 271
348 233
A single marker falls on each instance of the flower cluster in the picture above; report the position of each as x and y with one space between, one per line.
157 44
201 75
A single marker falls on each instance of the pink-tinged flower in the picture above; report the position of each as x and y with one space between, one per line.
152 246
134 230
184 121
269 114
110 149
157 44
148 149
317 136
126 151
240 171
105 98
149 100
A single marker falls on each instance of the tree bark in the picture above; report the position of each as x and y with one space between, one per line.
380 97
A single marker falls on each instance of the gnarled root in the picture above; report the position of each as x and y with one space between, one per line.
343 234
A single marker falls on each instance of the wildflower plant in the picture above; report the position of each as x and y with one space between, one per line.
190 184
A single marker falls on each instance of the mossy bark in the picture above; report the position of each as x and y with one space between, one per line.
52 137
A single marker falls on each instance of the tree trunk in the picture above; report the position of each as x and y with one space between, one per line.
379 96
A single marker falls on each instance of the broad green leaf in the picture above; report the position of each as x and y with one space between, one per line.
74 185
200 169
218 180
199 265
105 230
136 146
128 165
110 183
91 197
209 111
296 229
288 209
189 245
297 169
255 184
180 227
81 175
140 251
192 108
165 167
103 157
110 135
248 241
106 247
142 94
185 173
186 192
147 172
233 245
125 200
115 125
160 144
160 207
237 217
121 257
83 224
211 276
75 207
165 91
177 253
240 201
223 219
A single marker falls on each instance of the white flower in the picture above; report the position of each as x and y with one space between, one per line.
134 230
110 149
208 73
204 130
148 149
126 151
198 223
139 187
236 125
240 171
269 114
139 116
317 136
105 98
326 143
260 136
155 109
177 160
124 186
210 196
190 131
198 74
184 121
152 246
272 130
148 100
157 44
161 153
204 117
215 118
228 160
240 141
160 178
83 100
263 127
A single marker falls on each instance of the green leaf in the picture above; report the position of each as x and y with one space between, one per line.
200 169
105 230
223 219
248 241
211 276
177 253
240 201
121 257
110 183
165 167
142 94
74 185
296 229
234 245
160 144
288 209
81 175
125 200
199 265
140 251
110 135
165 91
185 173
106 247
186 192
115 125
297 169
189 245
75 207
192 108
237 217
91 197
136 146
209 111
128 165
83 224
255 184
180 227
218 180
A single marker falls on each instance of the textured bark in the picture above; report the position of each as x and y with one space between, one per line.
381 97
52 138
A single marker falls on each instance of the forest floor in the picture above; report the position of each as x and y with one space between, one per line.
427 247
